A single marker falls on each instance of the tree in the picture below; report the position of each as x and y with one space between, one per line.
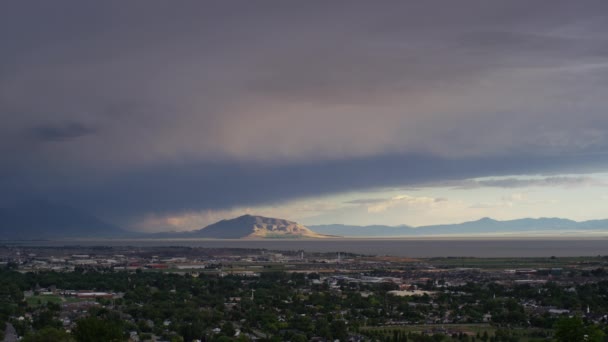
48 334
228 329
44 319
93 329
572 329
338 330
322 328
299 338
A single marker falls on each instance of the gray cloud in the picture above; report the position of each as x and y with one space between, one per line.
319 97
508 183
547 182
222 81
365 201
62 132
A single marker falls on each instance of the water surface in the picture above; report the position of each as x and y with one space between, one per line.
419 248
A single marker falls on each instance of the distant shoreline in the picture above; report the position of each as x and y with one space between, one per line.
415 247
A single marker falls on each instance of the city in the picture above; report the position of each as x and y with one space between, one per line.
200 294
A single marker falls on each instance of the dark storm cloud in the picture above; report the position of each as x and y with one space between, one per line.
62 131
176 188
167 107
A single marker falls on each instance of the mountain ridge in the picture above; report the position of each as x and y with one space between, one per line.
484 225
46 220
253 226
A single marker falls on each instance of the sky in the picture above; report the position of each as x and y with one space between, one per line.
163 115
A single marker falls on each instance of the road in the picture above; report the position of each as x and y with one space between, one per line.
10 335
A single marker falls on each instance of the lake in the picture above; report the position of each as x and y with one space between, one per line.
417 247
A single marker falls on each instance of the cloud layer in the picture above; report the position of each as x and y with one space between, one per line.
522 182
138 108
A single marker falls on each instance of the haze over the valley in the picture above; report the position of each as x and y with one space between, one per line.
154 116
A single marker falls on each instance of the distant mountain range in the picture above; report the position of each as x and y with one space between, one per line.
480 227
44 220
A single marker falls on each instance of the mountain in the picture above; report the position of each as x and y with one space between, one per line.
479 227
254 227
489 226
45 220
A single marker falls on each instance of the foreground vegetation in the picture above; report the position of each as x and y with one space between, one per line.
278 306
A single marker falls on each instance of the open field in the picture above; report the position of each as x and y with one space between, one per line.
38 300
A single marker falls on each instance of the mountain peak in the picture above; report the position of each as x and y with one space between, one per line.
253 226
486 219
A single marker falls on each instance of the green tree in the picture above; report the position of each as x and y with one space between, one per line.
338 330
48 334
228 329
44 319
93 329
299 338
573 329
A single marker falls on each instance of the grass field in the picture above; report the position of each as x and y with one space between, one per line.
42 300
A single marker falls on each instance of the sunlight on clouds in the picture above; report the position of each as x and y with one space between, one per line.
294 211
515 197
403 200
567 196
185 221
510 182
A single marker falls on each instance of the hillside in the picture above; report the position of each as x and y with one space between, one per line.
255 227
